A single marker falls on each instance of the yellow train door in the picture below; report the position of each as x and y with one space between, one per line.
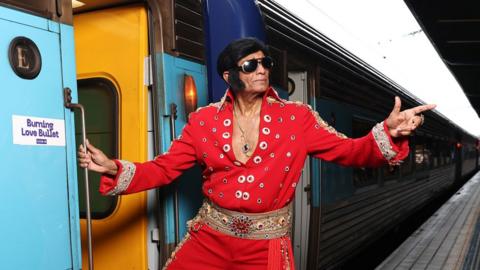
111 47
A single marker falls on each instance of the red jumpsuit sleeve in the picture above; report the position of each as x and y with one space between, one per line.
372 150
134 177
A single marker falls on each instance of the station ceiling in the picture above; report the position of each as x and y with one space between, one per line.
454 29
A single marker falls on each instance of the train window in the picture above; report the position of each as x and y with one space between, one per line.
99 97
449 153
472 154
422 154
441 156
442 153
446 153
363 176
407 166
435 148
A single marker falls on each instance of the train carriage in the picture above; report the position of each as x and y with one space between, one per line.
141 67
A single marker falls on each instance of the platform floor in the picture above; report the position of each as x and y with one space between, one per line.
450 239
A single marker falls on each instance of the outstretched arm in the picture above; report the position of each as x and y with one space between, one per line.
123 177
385 143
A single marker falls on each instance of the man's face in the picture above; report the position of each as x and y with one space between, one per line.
257 80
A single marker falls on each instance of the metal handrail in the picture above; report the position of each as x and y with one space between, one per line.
67 102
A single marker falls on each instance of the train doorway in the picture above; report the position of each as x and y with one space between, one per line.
302 203
111 51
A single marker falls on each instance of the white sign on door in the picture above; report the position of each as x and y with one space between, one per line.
29 130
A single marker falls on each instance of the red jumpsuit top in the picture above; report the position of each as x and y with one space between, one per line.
289 131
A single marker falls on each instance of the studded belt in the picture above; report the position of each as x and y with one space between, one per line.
267 225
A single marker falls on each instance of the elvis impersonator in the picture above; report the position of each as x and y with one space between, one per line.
252 147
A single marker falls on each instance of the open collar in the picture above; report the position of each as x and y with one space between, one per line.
270 96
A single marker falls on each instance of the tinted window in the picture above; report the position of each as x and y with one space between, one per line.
363 176
423 155
407 165
99 98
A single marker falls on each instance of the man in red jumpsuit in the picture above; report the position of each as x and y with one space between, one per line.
252 147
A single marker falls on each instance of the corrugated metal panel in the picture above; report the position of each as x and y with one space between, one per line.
347 227
188 29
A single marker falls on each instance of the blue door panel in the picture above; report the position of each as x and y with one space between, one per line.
35 205
188 184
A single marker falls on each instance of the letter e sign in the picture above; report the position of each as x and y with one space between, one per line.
24 58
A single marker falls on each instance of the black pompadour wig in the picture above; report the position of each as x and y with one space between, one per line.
236 50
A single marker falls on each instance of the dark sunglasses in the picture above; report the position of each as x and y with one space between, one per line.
251 65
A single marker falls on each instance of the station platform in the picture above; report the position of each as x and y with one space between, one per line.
450 239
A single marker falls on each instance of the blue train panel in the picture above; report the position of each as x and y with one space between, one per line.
226 21
40 225
189 183
69 80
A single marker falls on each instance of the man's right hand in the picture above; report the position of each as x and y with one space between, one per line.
95 160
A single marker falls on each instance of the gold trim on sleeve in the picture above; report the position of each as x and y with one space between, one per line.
381 138
323 124
124 179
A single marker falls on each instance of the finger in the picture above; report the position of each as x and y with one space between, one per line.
83 161
401 133
82 149
406 133
409 128
422 108
397 106
84 158
91 148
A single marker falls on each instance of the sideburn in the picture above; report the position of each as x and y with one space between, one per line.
234 81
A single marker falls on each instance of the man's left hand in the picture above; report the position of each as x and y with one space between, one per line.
403 123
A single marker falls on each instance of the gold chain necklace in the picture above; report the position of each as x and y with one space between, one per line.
246 146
